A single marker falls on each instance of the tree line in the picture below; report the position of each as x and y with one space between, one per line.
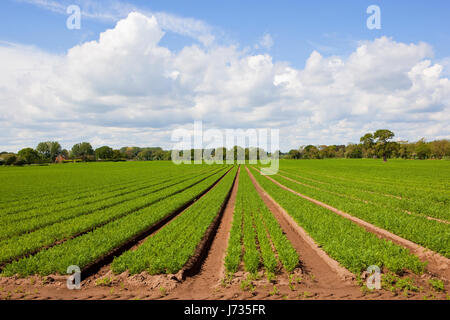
372 145
376 145
51 151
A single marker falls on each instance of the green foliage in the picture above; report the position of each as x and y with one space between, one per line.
423 149
29 155
383 147
9 159
49 150
393 283
254 224
353 151
106 205
82 150
274 291
234 251
20 162
169 250
92 208
415 227
247 285
106 281
104 152
437 285
122 223
349 244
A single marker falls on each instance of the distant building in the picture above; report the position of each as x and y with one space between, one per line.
60 159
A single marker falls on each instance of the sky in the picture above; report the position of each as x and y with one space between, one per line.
135 71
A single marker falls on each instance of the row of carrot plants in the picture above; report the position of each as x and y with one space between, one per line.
18 246
92 246
47 204
171 248
40 220
351 245
256 237
30 185
97 188
378 178
26 184
352 188
428 233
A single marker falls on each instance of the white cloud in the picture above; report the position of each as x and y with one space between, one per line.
266 42
125 88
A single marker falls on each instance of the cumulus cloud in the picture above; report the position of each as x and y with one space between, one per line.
266 42
127 89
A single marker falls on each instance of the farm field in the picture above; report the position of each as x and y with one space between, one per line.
155 230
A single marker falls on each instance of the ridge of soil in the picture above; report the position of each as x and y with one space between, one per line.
212 270
194 264
330 275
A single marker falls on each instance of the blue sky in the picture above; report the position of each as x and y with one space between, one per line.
297 27
293 30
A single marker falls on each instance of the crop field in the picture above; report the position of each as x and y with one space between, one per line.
159 230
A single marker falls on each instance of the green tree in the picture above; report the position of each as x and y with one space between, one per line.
423 149
340 151
311 152
159 155
49 150
383 146
294 154
10 159
353 151
130 152
82 150
327 151
367 144
440 148
116 155
65 153
29 155
145 154
104 152
404 150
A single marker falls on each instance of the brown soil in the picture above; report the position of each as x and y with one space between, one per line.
302 242
329 275
438 265
429 218
206 283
